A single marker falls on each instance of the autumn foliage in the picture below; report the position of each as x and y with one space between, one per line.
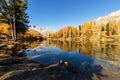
4 28
89 31
29 34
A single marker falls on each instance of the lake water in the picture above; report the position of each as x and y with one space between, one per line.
86 61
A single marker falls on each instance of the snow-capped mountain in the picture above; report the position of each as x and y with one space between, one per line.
44 32
47 31
114 16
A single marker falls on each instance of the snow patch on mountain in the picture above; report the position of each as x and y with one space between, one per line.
44 32
114 16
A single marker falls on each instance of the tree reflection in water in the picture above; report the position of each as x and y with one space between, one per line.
67 46
87 70
108 51
83 56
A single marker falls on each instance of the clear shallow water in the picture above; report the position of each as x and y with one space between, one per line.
88 67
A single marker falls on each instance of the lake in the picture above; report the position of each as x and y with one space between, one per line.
80 61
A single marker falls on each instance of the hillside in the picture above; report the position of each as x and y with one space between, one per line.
106 28
102 29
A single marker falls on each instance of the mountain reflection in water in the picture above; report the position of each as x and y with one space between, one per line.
93 61
43 45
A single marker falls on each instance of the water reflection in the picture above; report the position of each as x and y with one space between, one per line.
86 69
37 46
92 61
109 52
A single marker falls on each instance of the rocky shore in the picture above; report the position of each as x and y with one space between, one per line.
14 64
24 71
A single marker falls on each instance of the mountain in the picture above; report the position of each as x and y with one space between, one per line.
114 16
44 32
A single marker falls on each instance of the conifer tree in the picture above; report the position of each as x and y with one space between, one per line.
108 29
102 28
14 13
113 32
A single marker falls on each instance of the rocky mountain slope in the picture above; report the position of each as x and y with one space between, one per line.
44 32
114 16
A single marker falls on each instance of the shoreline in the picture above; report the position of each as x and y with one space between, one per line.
19 67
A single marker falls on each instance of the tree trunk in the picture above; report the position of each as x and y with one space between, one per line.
11 25
14 25
9 15
14 28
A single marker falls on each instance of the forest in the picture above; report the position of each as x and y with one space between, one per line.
89 31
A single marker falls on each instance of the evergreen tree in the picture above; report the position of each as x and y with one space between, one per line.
113 32
79 30
14 12
6 15
18 8
107 29
1 12
80 27
102 29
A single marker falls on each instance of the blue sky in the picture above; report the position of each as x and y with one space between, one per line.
56 14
